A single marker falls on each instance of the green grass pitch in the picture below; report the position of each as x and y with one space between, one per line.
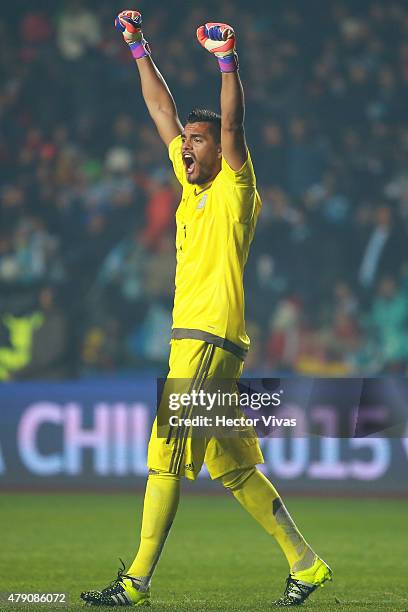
216 557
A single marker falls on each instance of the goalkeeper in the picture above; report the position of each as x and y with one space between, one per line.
215 220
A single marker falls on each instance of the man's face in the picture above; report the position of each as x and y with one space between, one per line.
201 154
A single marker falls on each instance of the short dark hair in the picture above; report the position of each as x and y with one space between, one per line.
203 115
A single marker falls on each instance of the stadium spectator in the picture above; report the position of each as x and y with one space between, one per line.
381 253
389 318
49 345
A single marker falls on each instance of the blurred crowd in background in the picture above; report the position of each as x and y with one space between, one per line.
87 196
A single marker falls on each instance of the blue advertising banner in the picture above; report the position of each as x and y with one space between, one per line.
93 435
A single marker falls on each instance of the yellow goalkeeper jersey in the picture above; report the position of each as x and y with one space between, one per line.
215 227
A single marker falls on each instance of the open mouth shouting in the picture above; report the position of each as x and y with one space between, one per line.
189 163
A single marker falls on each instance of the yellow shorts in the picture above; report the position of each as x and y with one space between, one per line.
180 452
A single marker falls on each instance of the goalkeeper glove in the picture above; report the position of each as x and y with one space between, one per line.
219 38
130 24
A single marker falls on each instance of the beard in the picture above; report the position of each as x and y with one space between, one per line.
204 175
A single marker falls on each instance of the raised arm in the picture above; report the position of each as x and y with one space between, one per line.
159 101
156 94
219 39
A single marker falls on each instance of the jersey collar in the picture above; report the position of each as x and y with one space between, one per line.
202 188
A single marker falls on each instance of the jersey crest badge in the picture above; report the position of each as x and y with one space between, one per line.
203 201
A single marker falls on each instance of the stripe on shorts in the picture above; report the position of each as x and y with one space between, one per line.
189 391
190 414
189 409
180 428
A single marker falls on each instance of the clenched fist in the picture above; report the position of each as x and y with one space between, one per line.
219 39
130 24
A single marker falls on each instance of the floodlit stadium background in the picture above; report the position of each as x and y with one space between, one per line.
87 202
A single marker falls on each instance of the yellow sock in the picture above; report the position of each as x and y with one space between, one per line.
259 497
159 509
